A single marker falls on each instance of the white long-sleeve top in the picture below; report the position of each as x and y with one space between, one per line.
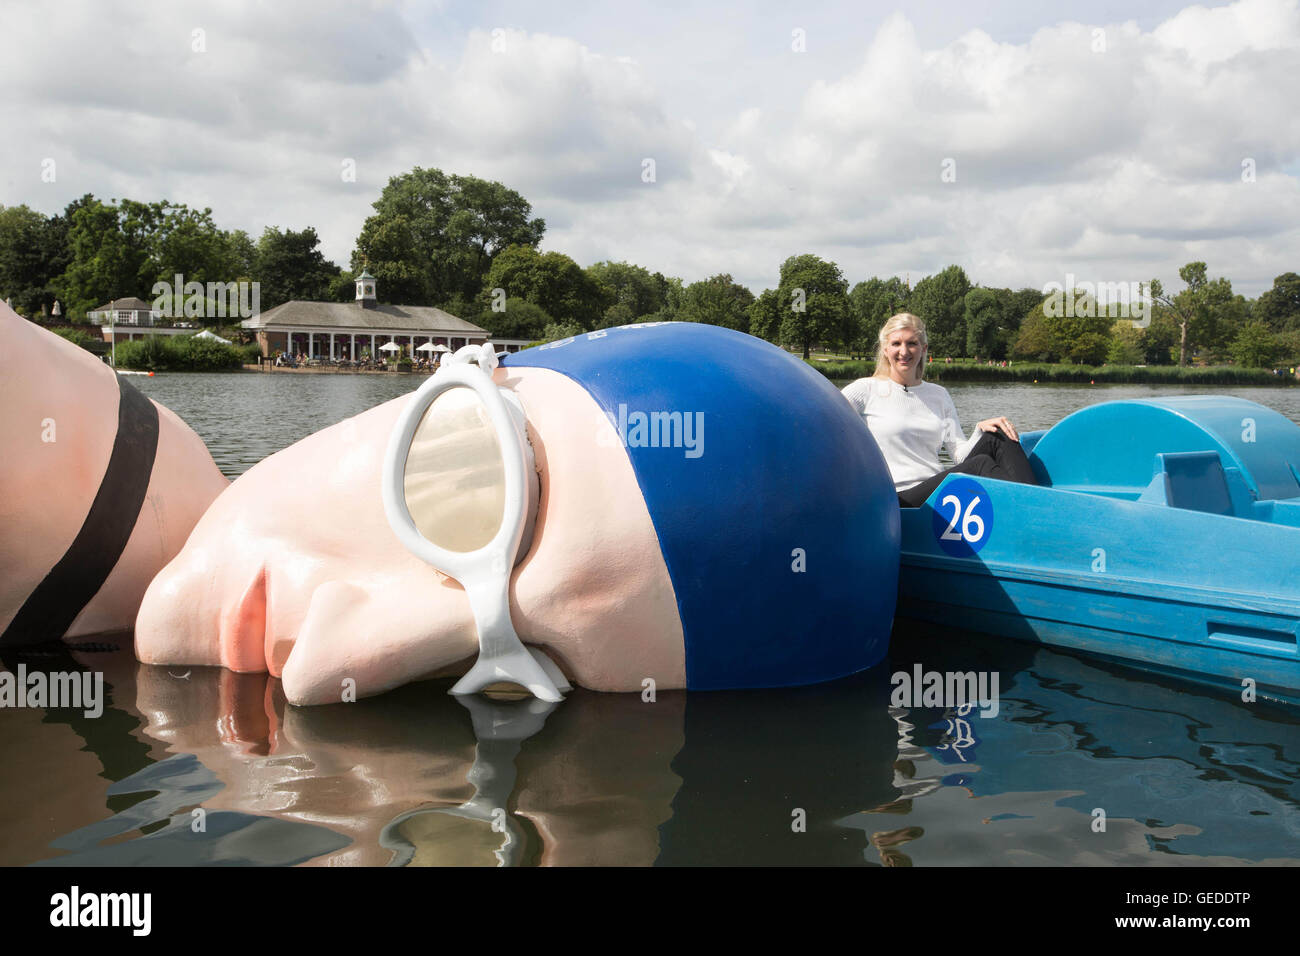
910 425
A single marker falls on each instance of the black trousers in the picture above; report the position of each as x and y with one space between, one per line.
994 456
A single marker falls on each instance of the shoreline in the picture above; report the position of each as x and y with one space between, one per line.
330 370
1043 374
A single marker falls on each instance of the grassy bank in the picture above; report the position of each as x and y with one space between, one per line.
158 353
1075 374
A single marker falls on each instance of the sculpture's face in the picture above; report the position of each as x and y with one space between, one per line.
57 434
295 569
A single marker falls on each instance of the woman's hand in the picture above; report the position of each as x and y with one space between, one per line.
999 424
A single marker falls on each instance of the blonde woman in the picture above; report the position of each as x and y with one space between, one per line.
912 419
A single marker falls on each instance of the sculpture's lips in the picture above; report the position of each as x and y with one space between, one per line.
243 628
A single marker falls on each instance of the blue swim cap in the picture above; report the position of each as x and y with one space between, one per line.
774 509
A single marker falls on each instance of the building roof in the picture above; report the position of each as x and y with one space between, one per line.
350 316
128 304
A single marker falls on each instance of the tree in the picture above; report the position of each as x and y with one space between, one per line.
520 319
186 242
109 256
812 297
982 317
1035 341
717 301
1279 307
674 296
872 303
635 292
125 248
434 236
1013 306
1202 312
560 330
24 271
1125 345
1083 337
552 281
1255 346
1160 338
765 316
940 300
288 265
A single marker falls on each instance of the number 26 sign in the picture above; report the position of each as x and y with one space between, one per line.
963 517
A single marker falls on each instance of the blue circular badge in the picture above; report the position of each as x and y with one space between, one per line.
963 517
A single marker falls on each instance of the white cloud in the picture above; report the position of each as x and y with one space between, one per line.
1123 163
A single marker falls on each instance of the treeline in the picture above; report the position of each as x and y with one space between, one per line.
94 252
1065 374
470 246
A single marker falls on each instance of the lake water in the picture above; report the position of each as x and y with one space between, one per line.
199 765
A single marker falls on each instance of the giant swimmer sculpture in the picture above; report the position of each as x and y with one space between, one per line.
673 503
99 487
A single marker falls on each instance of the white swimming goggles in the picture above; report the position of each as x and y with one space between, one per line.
460 490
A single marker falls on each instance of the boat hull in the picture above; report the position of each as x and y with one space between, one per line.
1212 597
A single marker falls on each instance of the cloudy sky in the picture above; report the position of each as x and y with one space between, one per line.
894 139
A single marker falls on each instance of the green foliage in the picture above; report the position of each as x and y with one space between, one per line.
28 259
1160 338
1255 346
1051 334
872 303
559 330
434 236
551 281
126 248
717 301
765 316
288 266
1279 307
1125 345
634 292
1035 340
941 301
1206 312
982 316
1057 374
1288 347
166 353
77 336
812 298
520 320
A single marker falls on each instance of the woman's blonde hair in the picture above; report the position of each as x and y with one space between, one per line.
903 320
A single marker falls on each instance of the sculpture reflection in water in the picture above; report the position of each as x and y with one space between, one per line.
501 727
1184 775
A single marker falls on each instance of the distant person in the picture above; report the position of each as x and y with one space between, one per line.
912 419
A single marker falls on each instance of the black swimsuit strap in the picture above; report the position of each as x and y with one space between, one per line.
55 603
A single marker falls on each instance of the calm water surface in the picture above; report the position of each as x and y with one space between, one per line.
1185 774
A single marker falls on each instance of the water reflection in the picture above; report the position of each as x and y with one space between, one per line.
500 727
1180 773
832 774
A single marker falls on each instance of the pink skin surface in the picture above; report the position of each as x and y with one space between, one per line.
295 570
50 388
